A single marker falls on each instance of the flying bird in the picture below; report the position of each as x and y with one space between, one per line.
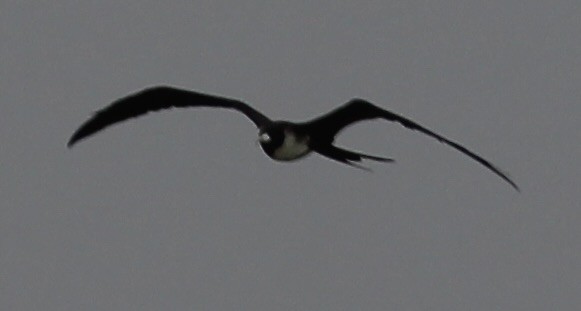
280 140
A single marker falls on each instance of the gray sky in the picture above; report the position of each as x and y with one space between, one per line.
182 211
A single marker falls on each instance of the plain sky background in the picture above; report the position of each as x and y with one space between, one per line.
182 211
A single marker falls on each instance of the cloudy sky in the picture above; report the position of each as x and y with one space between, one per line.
182 211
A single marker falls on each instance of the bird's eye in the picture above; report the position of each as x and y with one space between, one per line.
264 137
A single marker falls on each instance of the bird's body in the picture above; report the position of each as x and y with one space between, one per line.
292 148
280 140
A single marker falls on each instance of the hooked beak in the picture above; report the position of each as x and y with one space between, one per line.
264 138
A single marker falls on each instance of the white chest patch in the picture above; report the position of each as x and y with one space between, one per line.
292 148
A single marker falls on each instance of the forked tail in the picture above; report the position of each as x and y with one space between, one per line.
348 156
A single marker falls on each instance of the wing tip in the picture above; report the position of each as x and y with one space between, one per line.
505 176
79 135
72 141
514 185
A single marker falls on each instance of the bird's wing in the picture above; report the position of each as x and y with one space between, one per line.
158 98
328 126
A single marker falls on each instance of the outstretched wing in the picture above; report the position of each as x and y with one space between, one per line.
328 126
158 98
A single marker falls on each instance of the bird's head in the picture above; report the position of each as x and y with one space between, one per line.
270 138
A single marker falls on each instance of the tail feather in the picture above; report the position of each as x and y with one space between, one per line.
348 156
357 156
375 158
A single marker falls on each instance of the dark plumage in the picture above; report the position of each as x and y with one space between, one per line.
280 140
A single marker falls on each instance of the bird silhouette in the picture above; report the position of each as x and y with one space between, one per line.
280 140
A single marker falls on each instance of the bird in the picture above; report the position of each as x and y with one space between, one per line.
281 140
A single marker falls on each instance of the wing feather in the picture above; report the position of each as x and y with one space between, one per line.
328 126
159 98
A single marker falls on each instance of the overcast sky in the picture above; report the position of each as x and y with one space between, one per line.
181 210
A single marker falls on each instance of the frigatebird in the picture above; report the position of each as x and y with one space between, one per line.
280 140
